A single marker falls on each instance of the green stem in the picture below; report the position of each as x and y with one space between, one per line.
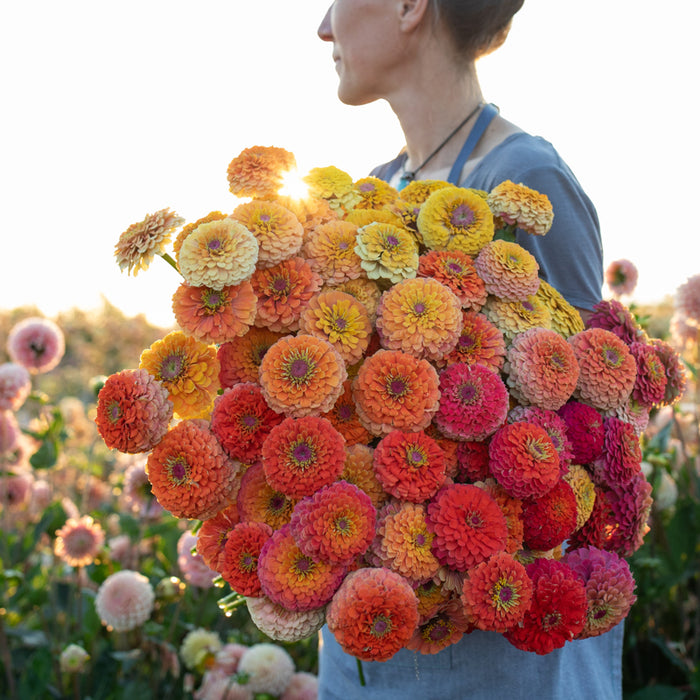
6 659
361 673
168 259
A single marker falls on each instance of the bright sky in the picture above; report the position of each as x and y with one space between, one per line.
115 110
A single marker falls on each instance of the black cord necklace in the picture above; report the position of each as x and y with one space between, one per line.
410 175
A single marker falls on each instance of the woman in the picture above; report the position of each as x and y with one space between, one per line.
420 56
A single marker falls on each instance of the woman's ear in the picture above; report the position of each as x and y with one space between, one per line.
412 13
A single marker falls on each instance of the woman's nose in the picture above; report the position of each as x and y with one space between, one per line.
324 29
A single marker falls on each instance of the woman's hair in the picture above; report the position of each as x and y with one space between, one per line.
476 27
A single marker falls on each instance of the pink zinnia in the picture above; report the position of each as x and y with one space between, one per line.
609 588
630 507
584 428
650 386
15 386
125 600
284 625
473 402
615 317
621 459
621 276
676 374
37 344
191 564
541 368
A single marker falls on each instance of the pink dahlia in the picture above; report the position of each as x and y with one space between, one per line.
15 386
468 526
609 588
688 300
37 344
607 369
473 402
524 460
334 524
125 600
621 276
584 428
541 368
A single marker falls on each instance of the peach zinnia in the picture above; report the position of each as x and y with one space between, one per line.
521 206
446 627
277 229
341 320
542 369
300 455
258 171
468 526
330 250
509 271
190 474
133 411
302 375
79 541
373 614
215 315
395 391
479 342
187 368
359 470
421 317
607 368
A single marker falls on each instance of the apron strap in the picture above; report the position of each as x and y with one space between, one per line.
487 114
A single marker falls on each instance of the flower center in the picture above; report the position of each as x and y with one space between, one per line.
343 245
277 503
466 341
280 286
419 308
212 300
551 620
397 387
612 357
455 268
114 412
264 217
171 367
467 393
462 216
177 468
299 369
473 519
416 457
381 626
367 187
344 412
340 323
392 241
303 454
537 450
438 631
248 561
304 566
249 422
214 245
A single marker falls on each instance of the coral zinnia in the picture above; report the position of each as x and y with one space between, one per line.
133 411
215 315
508 270
373 614
291 578
497 592
541 368
344 418
584 428
444 628
330 250
473 402
455 270
421 317
550 518
218 254
125 600
187 368
240 360
334 524
468 526
190 474
521 206
395 391
410 466
609 588
284 625
258 501
239 563
138 245
554 425
212 534
512 509
37 344
403 541
479 342
300 455
79 541
387 252
455 218
302 375
283 291
524 460
341 320
241 420
607 369
278 231
257 171
558 610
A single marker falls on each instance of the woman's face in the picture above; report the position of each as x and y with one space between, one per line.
367 47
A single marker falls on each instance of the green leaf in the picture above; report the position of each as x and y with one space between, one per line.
658 692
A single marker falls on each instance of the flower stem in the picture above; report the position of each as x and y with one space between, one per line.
168 259
361 673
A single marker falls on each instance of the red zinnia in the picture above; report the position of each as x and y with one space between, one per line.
550 518
239 566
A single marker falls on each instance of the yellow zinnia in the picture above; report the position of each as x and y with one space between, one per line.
387 252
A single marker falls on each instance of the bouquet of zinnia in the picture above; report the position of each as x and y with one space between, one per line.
385 420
